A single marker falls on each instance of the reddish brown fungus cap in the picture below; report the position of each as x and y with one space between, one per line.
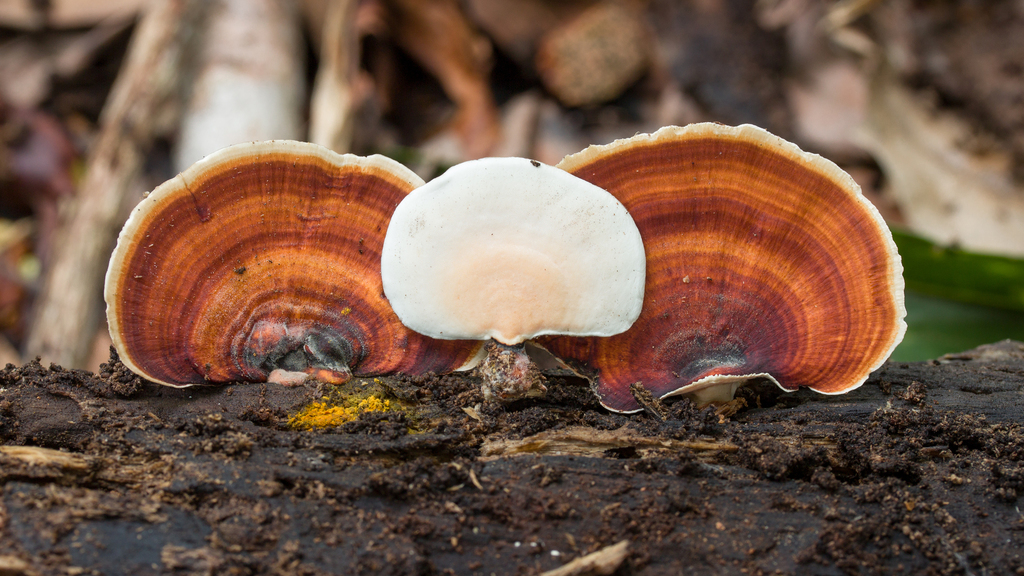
263 261
762 260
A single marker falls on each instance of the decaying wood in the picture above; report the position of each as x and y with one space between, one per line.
332 102
36 456
650 404
68 305
248 83
583 441
601 563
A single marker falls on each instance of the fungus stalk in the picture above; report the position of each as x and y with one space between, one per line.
507 373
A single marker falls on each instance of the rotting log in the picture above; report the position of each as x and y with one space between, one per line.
921 470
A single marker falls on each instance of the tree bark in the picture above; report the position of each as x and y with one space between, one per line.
248 82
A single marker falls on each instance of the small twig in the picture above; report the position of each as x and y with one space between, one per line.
584 441
601 563
729 409
333 102
846 12
10 564
35 456
652 405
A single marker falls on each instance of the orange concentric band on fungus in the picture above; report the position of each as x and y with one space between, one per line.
263 256
762 260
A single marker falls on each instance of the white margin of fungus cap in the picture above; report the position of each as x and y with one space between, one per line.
511 249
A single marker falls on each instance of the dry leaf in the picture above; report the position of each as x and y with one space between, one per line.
829 107
438 36
951 185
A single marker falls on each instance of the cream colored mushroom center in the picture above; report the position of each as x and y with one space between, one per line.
509 249
509 291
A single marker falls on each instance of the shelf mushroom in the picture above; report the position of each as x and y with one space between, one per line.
509 249
262 262
763 261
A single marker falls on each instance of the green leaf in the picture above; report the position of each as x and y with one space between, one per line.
960 275
936 326
957 300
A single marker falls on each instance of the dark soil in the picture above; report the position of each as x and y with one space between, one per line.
919 471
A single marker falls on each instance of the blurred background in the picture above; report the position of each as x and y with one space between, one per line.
100 100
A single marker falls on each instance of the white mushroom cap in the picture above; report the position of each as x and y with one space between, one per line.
510 249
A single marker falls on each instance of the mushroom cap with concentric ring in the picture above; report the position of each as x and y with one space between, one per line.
762 261
264 259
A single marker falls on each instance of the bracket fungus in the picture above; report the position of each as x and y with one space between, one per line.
510 249
762 261
262 262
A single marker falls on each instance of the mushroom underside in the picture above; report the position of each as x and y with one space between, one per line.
288 352
689 363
